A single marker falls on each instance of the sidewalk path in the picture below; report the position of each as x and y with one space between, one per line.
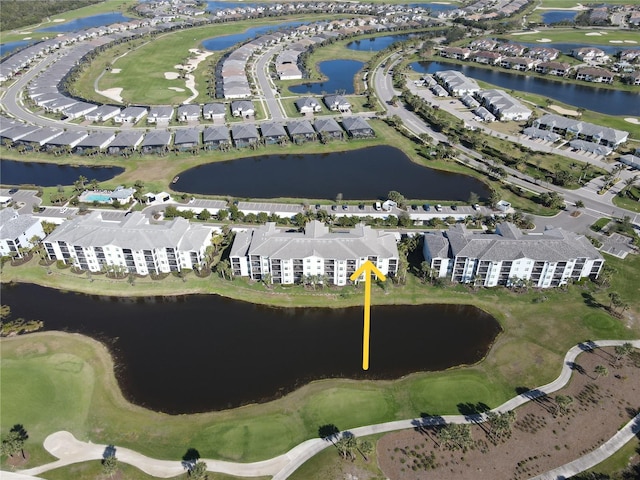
69 450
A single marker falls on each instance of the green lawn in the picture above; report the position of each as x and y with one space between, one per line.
579 35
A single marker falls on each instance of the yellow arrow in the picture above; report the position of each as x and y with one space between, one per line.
367 268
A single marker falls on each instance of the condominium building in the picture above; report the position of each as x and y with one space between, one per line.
17 232
508 257
327 256
132 244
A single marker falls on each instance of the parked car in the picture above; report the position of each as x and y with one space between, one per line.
377 206
414 207
454 207
334 207
476 206
426 207
361 206
439 207
345 207
12 191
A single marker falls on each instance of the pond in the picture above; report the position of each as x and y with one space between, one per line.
78 24
363 174
555 16
603 100
227 41
375 44
50 174
10 47
339 74
201 353
215 5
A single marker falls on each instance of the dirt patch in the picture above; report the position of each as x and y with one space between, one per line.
541 438
18 460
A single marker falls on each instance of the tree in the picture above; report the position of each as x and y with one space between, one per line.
397 197
564 402
615 300
501 423
109 465
426 271
623 350
579 204
199 471
14 442
601 371
366 449
473 198
204 215
456 436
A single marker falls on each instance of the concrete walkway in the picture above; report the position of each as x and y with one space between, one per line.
69 450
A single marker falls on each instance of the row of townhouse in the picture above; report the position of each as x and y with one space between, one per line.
538 59
215 137
508 258
281 256
131 245
584 135
489 104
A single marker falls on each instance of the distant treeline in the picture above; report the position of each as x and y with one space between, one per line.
20 13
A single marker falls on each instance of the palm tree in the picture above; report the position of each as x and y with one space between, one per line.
623 350
199 471
366 448
601 371
563 402
109 465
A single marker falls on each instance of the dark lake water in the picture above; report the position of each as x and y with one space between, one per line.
10 47
375 44
201 353
227 41
610 102
555 16
339 75
100 20
363 174
50 175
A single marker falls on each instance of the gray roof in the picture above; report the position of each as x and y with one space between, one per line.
309 102
317 240
96 139
456 81
508 243
189 110
13 224
272 129
17 132
242 131
42 135
215 108
331 100
215 134
590 147
161 112
302 127
157 138
353 124
188 135
68 139
128 138
502 102
103 110
326 125
584 128
539 133
242 105
134 232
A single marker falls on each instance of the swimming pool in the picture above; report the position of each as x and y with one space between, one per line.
96 197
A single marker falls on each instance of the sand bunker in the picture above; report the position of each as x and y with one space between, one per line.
176 89
528 32
630 41
27 38
171 75
593 34
544 40
615 41
635 121
59 20
112 93
577 8
564 111
116 70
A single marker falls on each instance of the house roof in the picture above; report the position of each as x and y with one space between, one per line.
584 128
272 129
215 134
128 138
242 105
188 135
96 139
215 108
353 124
157 138
13 224
302 127
239 132
327 125
189 110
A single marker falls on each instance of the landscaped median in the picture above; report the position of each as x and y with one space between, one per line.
69 382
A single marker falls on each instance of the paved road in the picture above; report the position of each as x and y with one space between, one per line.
274 109
69 450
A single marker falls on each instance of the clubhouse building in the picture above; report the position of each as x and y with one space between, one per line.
315 254
130 245
510 258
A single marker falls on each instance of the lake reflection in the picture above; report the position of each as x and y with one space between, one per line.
363 174
201 353
340 75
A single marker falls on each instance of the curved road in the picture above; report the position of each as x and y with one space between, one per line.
69 450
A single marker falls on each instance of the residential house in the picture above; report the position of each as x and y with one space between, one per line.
102 113
242 108
186 139
189 113
37 138
457 83
156 141
160 115
595 75
244 135
95 142
487 58
17 232
558 69
214 111
633 78
78 110
546 54
301 131
484 114
216 138
286 257
132 245
521 64
455 52
328 129
510 258
67 140
130 115
273 133
337 103
308 105
357 127
581 130
125 142
590 147
587 54
630 160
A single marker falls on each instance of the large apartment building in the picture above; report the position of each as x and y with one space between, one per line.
289 257
132 244
508 257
